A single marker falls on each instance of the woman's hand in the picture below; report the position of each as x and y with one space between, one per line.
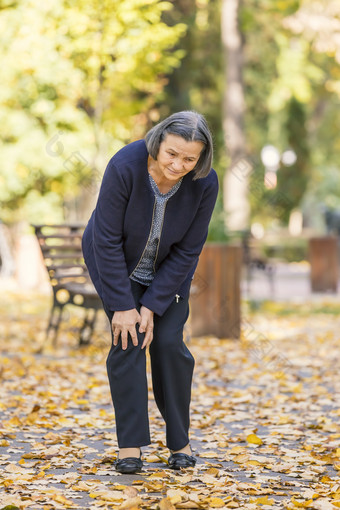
123 324
146 325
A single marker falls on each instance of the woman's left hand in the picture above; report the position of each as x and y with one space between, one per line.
146 325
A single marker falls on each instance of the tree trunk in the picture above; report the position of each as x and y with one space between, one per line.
236 179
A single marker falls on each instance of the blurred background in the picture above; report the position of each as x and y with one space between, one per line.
81 79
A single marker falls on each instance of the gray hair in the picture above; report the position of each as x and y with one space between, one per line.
192 127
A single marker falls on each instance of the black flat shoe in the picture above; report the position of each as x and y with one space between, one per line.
181 461
129 465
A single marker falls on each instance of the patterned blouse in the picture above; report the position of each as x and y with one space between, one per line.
145 272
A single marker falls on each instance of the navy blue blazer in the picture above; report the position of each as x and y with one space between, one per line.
118 230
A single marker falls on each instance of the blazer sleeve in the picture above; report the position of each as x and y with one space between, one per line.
108 241
183 256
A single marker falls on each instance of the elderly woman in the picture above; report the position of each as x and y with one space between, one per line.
141 247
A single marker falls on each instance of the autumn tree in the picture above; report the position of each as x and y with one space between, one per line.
81 79
236 178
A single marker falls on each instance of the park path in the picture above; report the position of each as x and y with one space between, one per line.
265 416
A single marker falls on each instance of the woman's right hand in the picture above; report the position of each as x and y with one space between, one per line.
123 324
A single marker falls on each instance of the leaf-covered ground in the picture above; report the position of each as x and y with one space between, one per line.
265 417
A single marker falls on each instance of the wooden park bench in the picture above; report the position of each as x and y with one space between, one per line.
71 285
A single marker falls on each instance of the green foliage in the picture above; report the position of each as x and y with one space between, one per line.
289 249
273 206
296 73
198 83
81 79
292 180
290 103
217 227
305 309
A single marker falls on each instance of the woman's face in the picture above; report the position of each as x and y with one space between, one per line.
177 157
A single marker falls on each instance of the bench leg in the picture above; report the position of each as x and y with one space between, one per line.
270 274
54 321
86 331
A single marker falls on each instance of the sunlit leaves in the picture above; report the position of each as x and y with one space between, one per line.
88 72
296 74
262 440
254 439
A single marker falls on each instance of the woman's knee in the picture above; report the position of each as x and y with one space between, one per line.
168 340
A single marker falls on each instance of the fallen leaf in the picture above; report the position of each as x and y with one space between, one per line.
131 503
215 502
166 504
264 500
213 471
254 439
130 492
70 439
188 504
106 495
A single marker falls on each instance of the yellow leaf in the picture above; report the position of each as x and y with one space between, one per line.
107 460
174 496
13 468
188 504
89 471
130 492
165 504
32 418
113 495
284 420
15 422
253 463
33 456
216 502
131 503
337 452
183 479
208 455
297 388
254 439
159 475
302 504
236 450
213 471
336 466
264 500
4 442
59 498
152 458
240 459
153 487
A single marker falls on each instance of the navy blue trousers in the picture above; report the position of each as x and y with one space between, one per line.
172 367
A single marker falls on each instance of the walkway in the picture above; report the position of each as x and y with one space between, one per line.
265 415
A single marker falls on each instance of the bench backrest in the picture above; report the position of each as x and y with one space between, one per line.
61 249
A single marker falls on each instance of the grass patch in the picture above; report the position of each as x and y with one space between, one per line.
287 308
